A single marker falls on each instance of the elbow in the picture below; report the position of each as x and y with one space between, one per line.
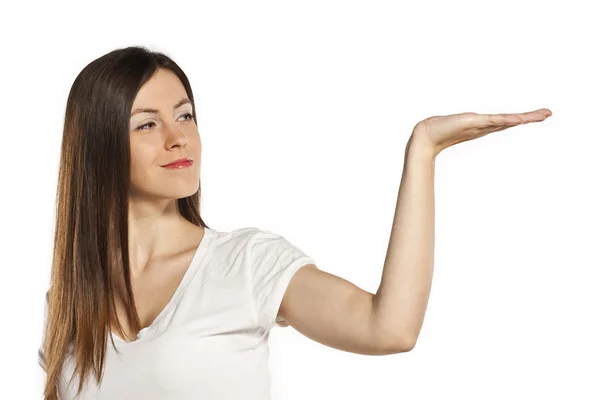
392 336
398 344
409 345
404 346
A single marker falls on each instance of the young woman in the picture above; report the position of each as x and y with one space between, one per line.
188 309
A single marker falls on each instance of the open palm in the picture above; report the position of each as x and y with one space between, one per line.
441 132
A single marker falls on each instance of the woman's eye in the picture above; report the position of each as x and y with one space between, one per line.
140 128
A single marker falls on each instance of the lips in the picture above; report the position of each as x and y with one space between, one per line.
180 161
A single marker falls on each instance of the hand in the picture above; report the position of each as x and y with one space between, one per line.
440 132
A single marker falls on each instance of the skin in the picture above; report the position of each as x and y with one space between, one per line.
320 305
161 242
339 314
401 301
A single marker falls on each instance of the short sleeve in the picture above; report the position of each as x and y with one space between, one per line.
273 262
41 359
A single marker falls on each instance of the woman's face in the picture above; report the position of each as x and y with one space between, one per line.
161 137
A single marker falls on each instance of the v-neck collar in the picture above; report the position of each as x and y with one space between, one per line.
197 261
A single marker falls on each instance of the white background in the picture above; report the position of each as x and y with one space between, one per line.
304 110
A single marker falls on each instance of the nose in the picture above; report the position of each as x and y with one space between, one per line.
174 137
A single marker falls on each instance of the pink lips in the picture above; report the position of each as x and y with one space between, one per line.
178 164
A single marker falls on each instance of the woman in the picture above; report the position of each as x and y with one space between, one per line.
188 309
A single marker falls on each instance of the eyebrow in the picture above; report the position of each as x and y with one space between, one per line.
155 111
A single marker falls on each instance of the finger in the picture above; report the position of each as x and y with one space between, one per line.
544 111
535 116
498 129
504 119
518 118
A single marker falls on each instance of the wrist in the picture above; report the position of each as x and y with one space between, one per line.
419 144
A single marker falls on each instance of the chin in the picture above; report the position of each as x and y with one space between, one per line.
167 189
185 193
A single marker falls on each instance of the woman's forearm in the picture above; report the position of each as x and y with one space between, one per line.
401 300
398 307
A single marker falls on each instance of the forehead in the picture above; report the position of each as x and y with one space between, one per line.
163 88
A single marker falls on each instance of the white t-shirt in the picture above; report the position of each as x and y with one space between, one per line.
211 340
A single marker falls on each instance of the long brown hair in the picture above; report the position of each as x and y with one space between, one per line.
91 233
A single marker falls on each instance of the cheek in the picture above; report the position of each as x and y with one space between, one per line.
199 144
143 159
194 146
194 139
